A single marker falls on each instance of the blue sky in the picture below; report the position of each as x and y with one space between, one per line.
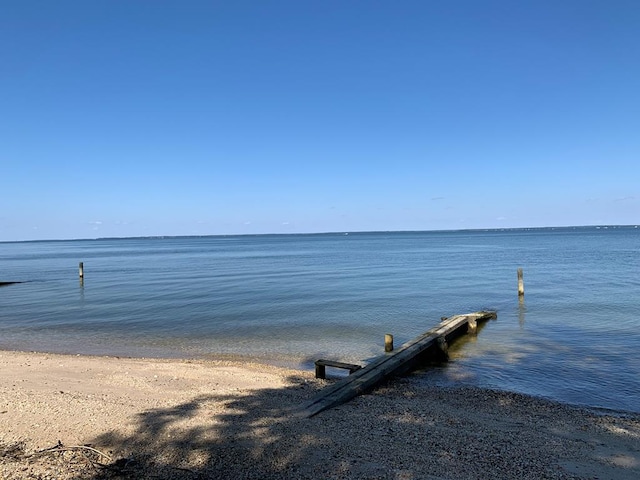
135 118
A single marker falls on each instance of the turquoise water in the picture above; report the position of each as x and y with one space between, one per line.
290 299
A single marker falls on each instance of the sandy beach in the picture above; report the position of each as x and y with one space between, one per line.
79 417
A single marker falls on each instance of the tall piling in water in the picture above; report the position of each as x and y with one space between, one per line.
520 283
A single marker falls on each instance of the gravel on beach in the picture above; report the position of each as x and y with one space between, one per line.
72 417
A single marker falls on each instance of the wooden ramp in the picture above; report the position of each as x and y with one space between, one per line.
400 361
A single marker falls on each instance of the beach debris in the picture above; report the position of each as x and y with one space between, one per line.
59 447
12 451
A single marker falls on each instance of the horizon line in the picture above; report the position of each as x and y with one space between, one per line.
336 232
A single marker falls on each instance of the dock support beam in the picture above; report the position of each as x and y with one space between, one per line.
443 346
322 364
472 326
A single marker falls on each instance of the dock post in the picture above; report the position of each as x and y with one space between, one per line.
388 342
443 346
472 326
81 269
520 283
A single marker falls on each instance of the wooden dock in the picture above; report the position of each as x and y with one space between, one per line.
431 343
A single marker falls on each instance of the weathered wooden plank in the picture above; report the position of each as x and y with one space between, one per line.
376 365
321 364
395 363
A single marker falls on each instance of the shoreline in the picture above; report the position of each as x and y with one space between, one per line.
223 418
293 364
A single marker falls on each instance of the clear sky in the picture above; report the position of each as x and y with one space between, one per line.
135 118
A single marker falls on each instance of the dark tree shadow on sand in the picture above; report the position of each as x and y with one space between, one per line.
402 431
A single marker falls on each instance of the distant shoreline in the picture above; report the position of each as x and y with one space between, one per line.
359 232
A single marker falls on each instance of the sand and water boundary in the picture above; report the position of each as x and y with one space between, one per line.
84 417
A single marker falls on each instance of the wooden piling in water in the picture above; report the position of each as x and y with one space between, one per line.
443 346
520 283
81 269
388 342
472 326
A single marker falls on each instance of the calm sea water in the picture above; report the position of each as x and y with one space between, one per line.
290 299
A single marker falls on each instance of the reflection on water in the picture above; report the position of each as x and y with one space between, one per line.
561 363
522 309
